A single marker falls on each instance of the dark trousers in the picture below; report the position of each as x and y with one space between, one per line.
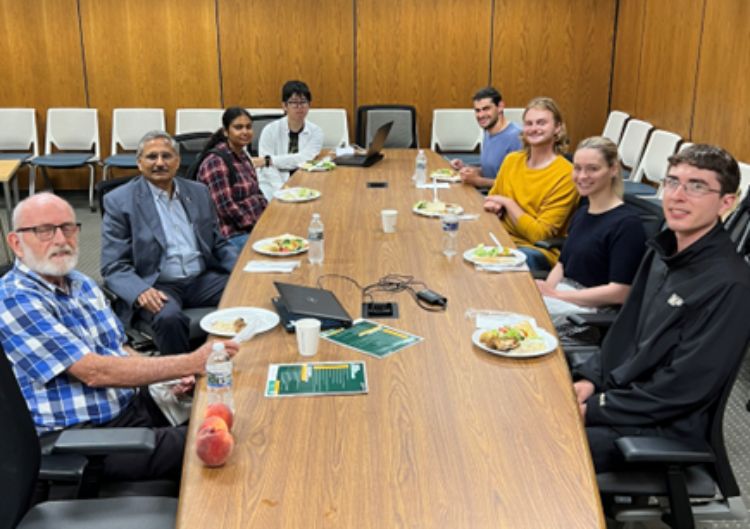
170 326
165 462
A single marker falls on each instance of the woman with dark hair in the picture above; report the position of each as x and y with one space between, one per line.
235 190
533 193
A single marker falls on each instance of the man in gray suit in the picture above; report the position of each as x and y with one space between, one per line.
161 247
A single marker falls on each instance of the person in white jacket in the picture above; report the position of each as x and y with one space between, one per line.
289 141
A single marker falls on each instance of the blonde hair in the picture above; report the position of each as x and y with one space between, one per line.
561 139
608 149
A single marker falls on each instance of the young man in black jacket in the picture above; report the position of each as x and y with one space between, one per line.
683 329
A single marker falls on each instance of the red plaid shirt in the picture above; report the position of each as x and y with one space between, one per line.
239 206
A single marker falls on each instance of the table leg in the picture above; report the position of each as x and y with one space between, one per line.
8 203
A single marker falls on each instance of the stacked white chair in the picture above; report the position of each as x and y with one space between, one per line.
334 124
455 130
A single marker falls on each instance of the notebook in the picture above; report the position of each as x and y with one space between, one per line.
297 301
373 153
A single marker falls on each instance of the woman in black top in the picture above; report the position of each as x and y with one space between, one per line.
606 240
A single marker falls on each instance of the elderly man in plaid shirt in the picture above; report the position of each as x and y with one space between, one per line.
67 348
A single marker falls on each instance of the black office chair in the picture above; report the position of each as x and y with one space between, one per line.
190 144
141 339
403 134
20 466
259 123
688 481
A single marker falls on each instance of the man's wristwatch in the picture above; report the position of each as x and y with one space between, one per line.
267 158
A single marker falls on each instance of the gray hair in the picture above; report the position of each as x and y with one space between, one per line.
156 135
44 196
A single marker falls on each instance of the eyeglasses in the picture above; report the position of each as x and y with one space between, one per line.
693 188
297 103
45 232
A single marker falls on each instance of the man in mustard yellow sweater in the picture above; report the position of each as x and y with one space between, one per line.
534 194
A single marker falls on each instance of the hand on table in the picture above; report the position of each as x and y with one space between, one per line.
152 300
494 204
470 175
457 164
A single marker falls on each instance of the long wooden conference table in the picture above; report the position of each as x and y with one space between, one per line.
448 436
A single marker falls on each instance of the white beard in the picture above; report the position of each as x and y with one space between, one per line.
45 266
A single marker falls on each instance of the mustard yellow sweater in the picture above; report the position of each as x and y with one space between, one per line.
547 197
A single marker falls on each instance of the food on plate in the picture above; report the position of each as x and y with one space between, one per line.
228 326
298 193
239 324
445 173
520 336
493 255
322 165
285 244
437 207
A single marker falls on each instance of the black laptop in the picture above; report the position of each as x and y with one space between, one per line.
373 153
296 302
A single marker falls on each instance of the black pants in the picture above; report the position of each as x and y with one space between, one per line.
165 462
170 326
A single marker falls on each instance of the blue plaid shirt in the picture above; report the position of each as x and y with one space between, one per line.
44 331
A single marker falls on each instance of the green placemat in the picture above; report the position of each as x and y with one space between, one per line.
372 338
316 378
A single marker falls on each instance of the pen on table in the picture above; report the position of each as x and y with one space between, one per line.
370 331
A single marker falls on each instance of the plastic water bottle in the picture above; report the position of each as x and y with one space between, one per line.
219 375
316 251
450 234
420 171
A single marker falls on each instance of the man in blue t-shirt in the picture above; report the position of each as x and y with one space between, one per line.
500 138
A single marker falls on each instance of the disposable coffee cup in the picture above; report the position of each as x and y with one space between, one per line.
389 217
308 336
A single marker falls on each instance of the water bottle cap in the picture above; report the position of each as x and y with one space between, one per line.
316 215
217 346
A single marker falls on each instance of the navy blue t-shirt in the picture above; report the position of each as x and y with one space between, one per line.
603 248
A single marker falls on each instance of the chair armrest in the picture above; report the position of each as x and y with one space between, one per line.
663 450
62 467
103 441
551 244
540 274
596 319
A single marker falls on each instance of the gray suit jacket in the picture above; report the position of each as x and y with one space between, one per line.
133 239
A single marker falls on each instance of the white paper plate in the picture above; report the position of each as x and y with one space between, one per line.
455 209
260 246
440 177
516 258
317 167
546 345
216 322
296 194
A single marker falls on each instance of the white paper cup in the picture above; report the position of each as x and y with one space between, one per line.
308 336
389 217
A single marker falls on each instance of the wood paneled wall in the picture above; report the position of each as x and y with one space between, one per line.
414 52
137 56
214 53
257 57
558 49
684 65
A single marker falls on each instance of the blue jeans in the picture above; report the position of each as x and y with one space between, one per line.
535 259
239 240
